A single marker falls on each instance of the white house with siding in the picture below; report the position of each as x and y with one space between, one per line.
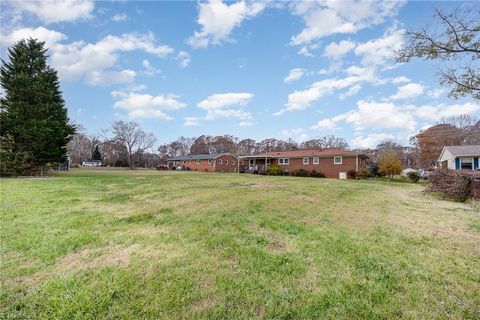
460 157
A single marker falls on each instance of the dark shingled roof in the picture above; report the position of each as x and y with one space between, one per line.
473 150
198 156
329 152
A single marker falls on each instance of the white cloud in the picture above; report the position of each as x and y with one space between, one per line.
110 77
190 121
371 140
245 124
294 74
222 105
336 51
149 69
436 93
120 17
373 115
324 18
80 60
434 113
184 58
299 100
50 37
408 91
400 80
353 90
141 106
298 134
218 19
324 124
305 52
52 11
382 115
379 51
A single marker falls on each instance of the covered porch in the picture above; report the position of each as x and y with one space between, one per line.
254 164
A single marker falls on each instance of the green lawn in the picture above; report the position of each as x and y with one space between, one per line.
150 244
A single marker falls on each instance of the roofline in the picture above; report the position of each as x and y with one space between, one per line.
457 154
306 155
467 155
189 157
441 154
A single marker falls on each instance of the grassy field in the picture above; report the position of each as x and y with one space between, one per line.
149 244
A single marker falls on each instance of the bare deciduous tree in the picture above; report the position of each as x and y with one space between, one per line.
457 42
133 138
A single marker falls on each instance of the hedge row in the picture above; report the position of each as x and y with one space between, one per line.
276 170
453 184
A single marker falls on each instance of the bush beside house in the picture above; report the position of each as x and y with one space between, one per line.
274 170
457 185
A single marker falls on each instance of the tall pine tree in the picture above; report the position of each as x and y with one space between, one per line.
34 127
96 155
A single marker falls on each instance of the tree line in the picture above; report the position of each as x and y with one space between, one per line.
126 144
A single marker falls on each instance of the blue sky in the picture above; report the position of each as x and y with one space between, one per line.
252 69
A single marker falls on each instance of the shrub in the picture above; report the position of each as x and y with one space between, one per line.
390 165
315 174
352 174
301 173
414 176
274 170
453 184
363 174
306 173
373 170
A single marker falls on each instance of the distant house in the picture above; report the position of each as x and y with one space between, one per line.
208 162
92 163
333 163
460 157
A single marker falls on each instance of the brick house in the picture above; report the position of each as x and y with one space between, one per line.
209 162
333 163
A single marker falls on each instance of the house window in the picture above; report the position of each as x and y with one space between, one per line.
226 161
268 161
466 164
198 161
283 161
337 160
251 162
305 160
209 161
184 161
316 160
220 161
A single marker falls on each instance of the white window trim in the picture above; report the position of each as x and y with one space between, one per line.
306 162
317 160
220 161
209 161
284 161
335 158
226 161
473 163
198 161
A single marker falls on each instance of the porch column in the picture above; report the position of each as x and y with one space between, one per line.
266 164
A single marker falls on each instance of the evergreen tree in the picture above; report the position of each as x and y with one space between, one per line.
34 123
96 155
